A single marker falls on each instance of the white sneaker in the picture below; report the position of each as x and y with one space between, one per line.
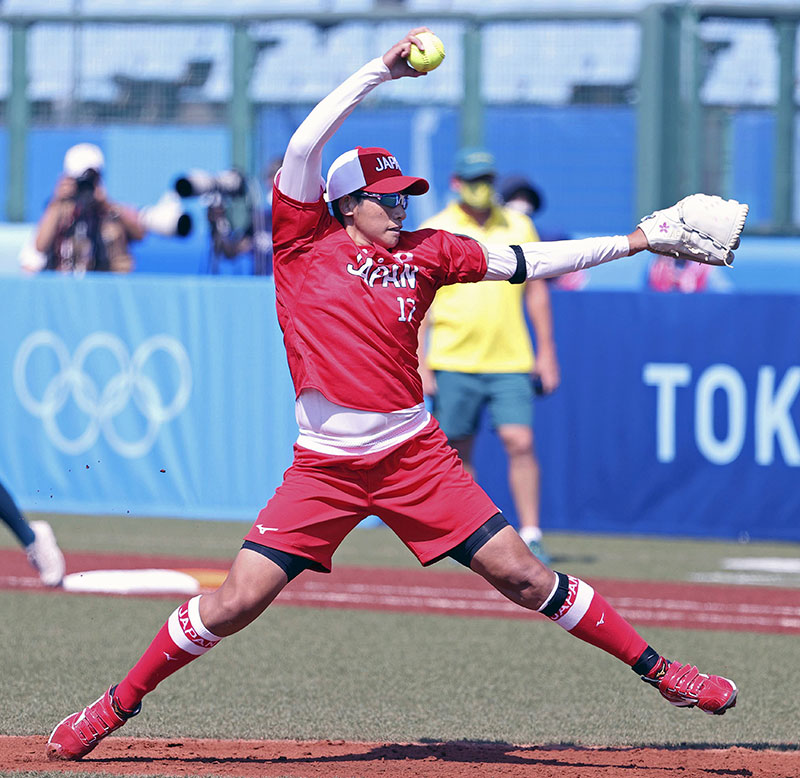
45 555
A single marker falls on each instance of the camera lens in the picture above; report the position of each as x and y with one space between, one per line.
87 182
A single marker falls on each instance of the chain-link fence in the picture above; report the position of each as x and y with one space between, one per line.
610 114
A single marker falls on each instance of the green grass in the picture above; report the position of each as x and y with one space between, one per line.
357 675
307 673
591 556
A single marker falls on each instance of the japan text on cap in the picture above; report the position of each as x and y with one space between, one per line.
373 170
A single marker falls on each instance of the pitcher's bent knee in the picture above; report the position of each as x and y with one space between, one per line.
226 611
252 584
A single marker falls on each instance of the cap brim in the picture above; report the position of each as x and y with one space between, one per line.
475 172
405 184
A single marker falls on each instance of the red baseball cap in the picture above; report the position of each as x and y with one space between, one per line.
373 170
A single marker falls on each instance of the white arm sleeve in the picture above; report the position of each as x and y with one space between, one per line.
554 258
301 173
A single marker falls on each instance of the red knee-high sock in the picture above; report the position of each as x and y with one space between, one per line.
583 612
182 639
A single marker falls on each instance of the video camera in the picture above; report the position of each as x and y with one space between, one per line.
235 213
224 194
227 183
166 217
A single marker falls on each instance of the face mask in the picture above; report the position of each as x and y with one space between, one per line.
522 205
477 194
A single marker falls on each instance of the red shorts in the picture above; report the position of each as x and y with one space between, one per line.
420 489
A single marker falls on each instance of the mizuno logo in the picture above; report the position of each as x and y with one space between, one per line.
262 529
602 619
170 658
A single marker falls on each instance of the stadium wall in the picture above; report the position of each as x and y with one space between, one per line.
678 414
581 157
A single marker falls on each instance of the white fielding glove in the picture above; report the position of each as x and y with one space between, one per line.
703 228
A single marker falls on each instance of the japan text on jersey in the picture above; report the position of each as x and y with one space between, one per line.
401 273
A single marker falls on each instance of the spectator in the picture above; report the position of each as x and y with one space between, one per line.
480 353
667 274
519 194
81 229
36 538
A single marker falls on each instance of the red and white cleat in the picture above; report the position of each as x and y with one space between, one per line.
686 687
80 732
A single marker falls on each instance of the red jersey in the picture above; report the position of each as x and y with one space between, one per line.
350 315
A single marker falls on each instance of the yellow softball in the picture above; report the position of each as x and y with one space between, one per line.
431 57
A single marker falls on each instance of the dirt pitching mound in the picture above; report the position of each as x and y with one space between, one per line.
310 759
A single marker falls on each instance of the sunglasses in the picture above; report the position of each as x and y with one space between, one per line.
387 200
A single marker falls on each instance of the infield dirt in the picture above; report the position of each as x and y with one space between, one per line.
326 759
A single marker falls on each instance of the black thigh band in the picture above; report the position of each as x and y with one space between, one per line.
521 273
559 596
467 549
291 564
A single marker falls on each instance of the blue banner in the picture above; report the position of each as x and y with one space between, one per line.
170 396
677 414
134 395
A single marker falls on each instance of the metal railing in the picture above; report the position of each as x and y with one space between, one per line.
686 137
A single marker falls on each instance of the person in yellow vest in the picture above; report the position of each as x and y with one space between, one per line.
475 347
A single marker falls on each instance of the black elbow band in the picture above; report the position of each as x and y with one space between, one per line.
521 273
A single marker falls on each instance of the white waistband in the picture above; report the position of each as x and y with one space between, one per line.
333 429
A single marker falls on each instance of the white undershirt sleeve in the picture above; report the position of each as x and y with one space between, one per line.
554 258
301 175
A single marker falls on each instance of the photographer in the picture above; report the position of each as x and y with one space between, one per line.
228 195
81 229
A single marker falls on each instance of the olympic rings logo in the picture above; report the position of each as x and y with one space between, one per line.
100 404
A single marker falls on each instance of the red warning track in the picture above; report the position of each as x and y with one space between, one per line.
459 593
